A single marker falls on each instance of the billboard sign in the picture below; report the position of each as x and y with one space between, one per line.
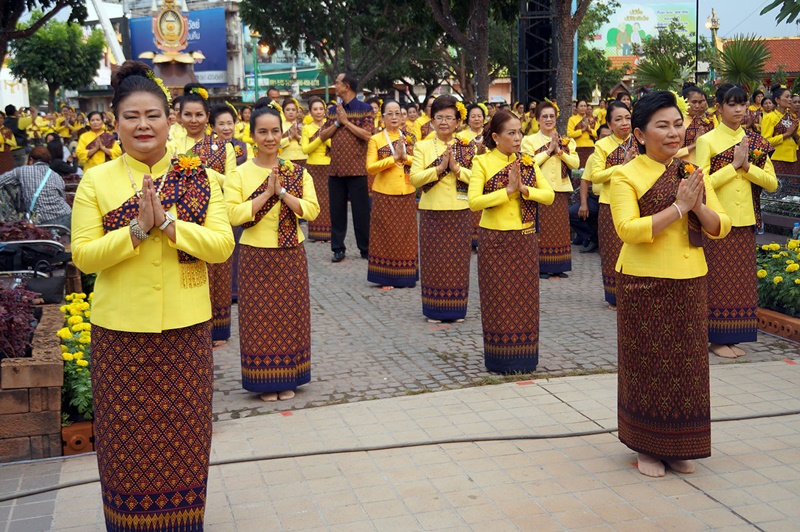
206 33
638 20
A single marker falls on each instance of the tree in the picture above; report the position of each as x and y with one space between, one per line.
789 10
361 37
743 61
663 72
58 54
13 10
780 77
567 27
672 40
37 92
594 68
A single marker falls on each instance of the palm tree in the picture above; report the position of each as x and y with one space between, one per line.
742 61
662 72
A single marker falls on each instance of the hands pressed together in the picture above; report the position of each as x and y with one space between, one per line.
449 162
690 192
515 183
151 212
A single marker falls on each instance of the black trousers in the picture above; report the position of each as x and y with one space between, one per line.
340 188
586 230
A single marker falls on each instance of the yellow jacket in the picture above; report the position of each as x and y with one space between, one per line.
317 150
669 254
241 183
502 212
82 151
291 149
139 289
176 131
596 165
242 132
785 148
583 137
183 144
466 134
443 196
732 186
421 120
61 128
389 178
551 166
7 143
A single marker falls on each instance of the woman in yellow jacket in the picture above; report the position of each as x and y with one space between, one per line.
96 146
147 225
581 128
661 212
267 196
292 133
393 246
7 143
556 157
609 153
780 128
473 133
440 167
317 164
243 126
738 167
508 189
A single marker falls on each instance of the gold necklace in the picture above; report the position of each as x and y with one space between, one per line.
136 191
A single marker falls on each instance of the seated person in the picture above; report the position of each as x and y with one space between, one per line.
50 205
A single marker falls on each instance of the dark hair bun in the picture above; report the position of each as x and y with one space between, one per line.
127 69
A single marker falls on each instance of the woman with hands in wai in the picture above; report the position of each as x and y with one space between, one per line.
267 196
738 167
661 208
508 189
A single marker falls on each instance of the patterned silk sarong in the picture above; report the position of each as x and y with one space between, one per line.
444 249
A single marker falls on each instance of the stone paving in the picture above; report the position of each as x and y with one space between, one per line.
373 344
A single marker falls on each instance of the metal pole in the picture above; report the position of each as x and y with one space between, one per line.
696 40
256 73
108 30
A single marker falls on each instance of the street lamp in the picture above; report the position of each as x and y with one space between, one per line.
712 23
264 49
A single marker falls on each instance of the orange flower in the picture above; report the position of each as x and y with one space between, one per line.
565 141
188 162
464 141
757 153
688 168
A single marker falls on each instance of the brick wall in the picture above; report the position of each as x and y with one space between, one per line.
30 396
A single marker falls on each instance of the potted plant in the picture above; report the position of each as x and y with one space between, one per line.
77 408
779 288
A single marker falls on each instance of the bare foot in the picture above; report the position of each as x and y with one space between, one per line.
286 394
217 343
431 320
460 320
681 466
722 350
738 351
650 466
269 396
612 307
384 288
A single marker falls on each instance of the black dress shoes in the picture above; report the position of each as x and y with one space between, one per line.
338 256
591 247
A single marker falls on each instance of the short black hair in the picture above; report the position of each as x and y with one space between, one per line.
92 113
261 110
690 89
443 102
386 102
615 105
220 109
10 110
622 94
350 80
649 105
731 91
475 106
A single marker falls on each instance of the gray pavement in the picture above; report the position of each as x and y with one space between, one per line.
372 344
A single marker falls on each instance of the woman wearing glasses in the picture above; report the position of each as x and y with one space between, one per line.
393 223
440 167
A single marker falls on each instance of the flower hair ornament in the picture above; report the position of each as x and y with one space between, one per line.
484 109
200 91
683 107
275 105
152 77
554 104
462 111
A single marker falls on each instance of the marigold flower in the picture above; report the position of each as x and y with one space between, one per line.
761 274
792 268
82 363
688 168
777 279
64 333
68 297
797 281
464 141
63 309
526 159
462 110
78 355
757 153
765 247
774 246
72 320
64 348
67 356
784 253
565 141
288 166
776 255
187 163
793 244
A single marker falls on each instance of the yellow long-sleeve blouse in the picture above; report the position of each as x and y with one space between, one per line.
139 289
467 135
596 165
389 178
292 150
242 132
241 184
733 187
186 143
416 129
82 151
584 138
785 148
501 211
7 140
667 255
317 150
551 166
443 196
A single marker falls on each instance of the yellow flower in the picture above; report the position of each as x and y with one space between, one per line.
87 314
765 247
462 110
201 92
91 296
68 297
683 106
63 309
688 168
792 268
78 355
81 296
464 141
757 153
778 279
797 281
187 162
72 320
789 261
67 356
64 333
308 119
774 246
784 253
761 274
776 255
288 166
526 159
64 348
793 244
82 363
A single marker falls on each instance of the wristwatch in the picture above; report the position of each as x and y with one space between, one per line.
168 219
281 193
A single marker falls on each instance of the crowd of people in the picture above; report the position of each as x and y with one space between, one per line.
194 205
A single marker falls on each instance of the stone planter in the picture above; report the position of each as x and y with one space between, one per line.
30 395
779 324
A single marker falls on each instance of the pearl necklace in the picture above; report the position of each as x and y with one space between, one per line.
136 191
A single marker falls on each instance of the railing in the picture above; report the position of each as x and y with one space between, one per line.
781 209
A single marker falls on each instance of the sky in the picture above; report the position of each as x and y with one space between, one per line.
743 17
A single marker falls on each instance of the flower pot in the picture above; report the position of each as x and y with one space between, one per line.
779 324
78 438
